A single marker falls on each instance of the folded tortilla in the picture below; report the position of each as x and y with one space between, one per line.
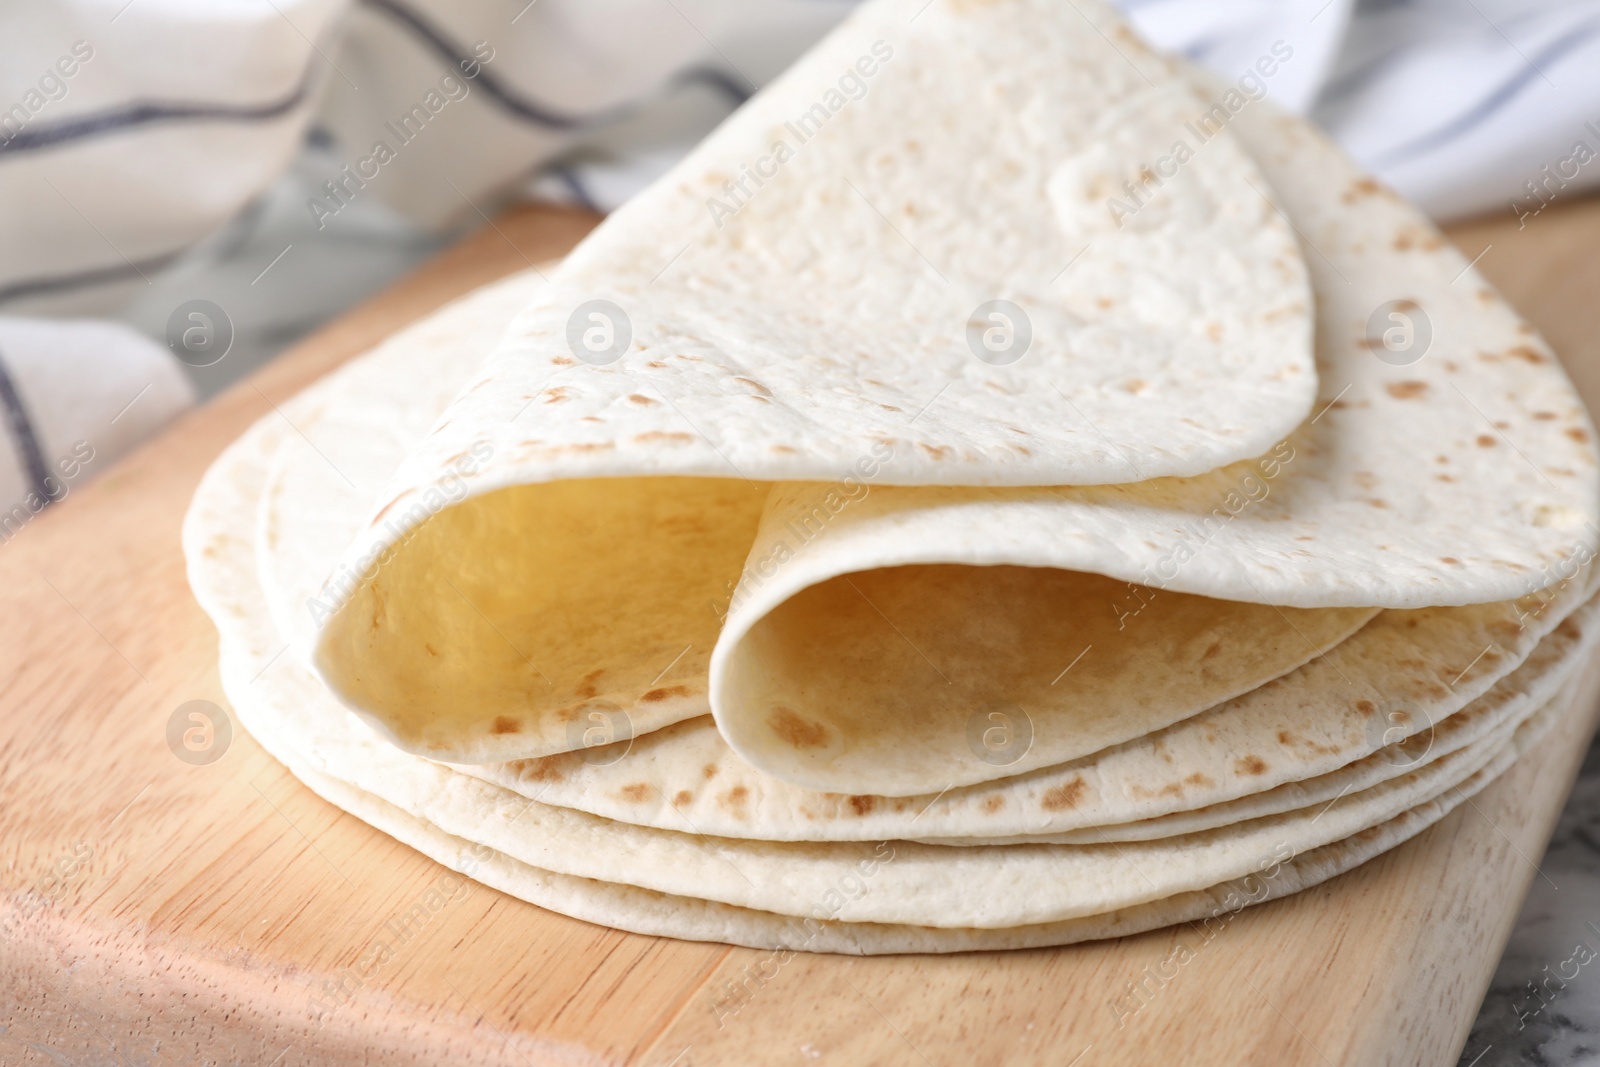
974 887
859 638
1408 686
837 322
1083 642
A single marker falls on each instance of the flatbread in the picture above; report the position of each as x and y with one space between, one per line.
554 555
980 886
218 505
645 912
1441 675
1411 485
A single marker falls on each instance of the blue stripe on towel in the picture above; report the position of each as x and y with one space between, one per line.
143 113
1496 100
82 279
23 436
520 105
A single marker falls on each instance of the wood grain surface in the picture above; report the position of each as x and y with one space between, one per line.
156 912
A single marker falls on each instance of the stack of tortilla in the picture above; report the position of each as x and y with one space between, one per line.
1002 489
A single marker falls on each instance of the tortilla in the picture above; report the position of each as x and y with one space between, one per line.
644 912
1410 485
225 499
980 886
1444 676
1179 341
543 552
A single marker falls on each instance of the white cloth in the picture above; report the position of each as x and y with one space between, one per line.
565 75
129 131
74 396
1462 104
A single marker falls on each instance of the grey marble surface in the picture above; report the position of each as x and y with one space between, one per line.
1543 1006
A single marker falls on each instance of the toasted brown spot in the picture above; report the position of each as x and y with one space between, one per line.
795 731
994 803
682 797
1578 434
562 361
545 769
587 687
638 792
1285 737
1545 416
1485 441
640 398
1216 646
1171 789
1361 187
733 800
431 650
1450 560
655 363
1252 765
663 437
665 693
383 511
1413 237
937 451
863 805
757 386
504 724
1527 353
709 771
1407 390
1366 707
1064 796
1199 779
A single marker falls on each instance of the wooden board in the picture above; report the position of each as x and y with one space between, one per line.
154 912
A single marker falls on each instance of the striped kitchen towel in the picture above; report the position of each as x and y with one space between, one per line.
74 396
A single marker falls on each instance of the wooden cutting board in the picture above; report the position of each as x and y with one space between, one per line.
158 912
